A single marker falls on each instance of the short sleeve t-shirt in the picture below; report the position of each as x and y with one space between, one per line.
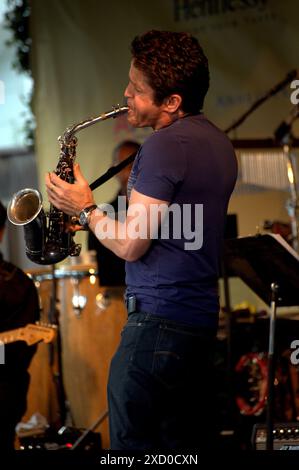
190 164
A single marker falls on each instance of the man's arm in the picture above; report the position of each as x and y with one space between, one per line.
129 239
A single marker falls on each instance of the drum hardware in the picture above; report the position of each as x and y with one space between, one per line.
252 371
78 300
76 276
103 300
63 273
92 277
90 430
37 285
292 202
55 351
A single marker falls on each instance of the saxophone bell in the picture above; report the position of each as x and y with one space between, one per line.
25 209
24 206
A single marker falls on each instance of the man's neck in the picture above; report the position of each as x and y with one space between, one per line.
171 119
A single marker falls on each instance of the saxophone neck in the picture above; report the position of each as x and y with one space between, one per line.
68 135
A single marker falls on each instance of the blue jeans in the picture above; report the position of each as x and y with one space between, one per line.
160 386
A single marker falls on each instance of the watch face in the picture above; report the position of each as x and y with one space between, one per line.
84 214
82 218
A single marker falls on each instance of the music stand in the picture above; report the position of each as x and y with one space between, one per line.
270 267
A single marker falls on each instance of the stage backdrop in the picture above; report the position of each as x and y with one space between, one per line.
80 59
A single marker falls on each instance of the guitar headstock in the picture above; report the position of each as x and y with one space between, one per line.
33 333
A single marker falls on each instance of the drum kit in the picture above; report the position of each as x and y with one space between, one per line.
69 376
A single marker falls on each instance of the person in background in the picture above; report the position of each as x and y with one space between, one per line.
111 268
19 305
160 389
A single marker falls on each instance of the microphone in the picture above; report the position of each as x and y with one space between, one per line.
289 78
285 126
279 86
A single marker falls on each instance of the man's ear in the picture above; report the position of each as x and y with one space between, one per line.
173 103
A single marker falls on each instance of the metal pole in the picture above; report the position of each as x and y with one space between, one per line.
271 367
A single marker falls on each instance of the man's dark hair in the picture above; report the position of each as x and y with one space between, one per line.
3 215
173 62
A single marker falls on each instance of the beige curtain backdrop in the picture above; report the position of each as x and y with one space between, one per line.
81 56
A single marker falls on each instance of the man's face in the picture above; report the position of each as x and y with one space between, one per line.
142 110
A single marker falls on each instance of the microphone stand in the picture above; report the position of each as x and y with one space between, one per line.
271 367
55 351
273 91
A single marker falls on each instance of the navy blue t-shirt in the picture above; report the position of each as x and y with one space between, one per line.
190 164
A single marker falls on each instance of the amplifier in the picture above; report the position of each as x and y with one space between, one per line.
285 436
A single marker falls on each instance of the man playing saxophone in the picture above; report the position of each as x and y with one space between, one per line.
160 383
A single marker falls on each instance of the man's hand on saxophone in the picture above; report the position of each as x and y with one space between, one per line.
70 198
120 237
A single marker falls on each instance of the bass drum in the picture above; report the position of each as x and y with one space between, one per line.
91 318
91 322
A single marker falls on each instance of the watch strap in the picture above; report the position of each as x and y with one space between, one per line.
86 211
90 208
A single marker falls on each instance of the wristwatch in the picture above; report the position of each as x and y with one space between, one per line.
84 215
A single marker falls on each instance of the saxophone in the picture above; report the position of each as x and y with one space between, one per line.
47 240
